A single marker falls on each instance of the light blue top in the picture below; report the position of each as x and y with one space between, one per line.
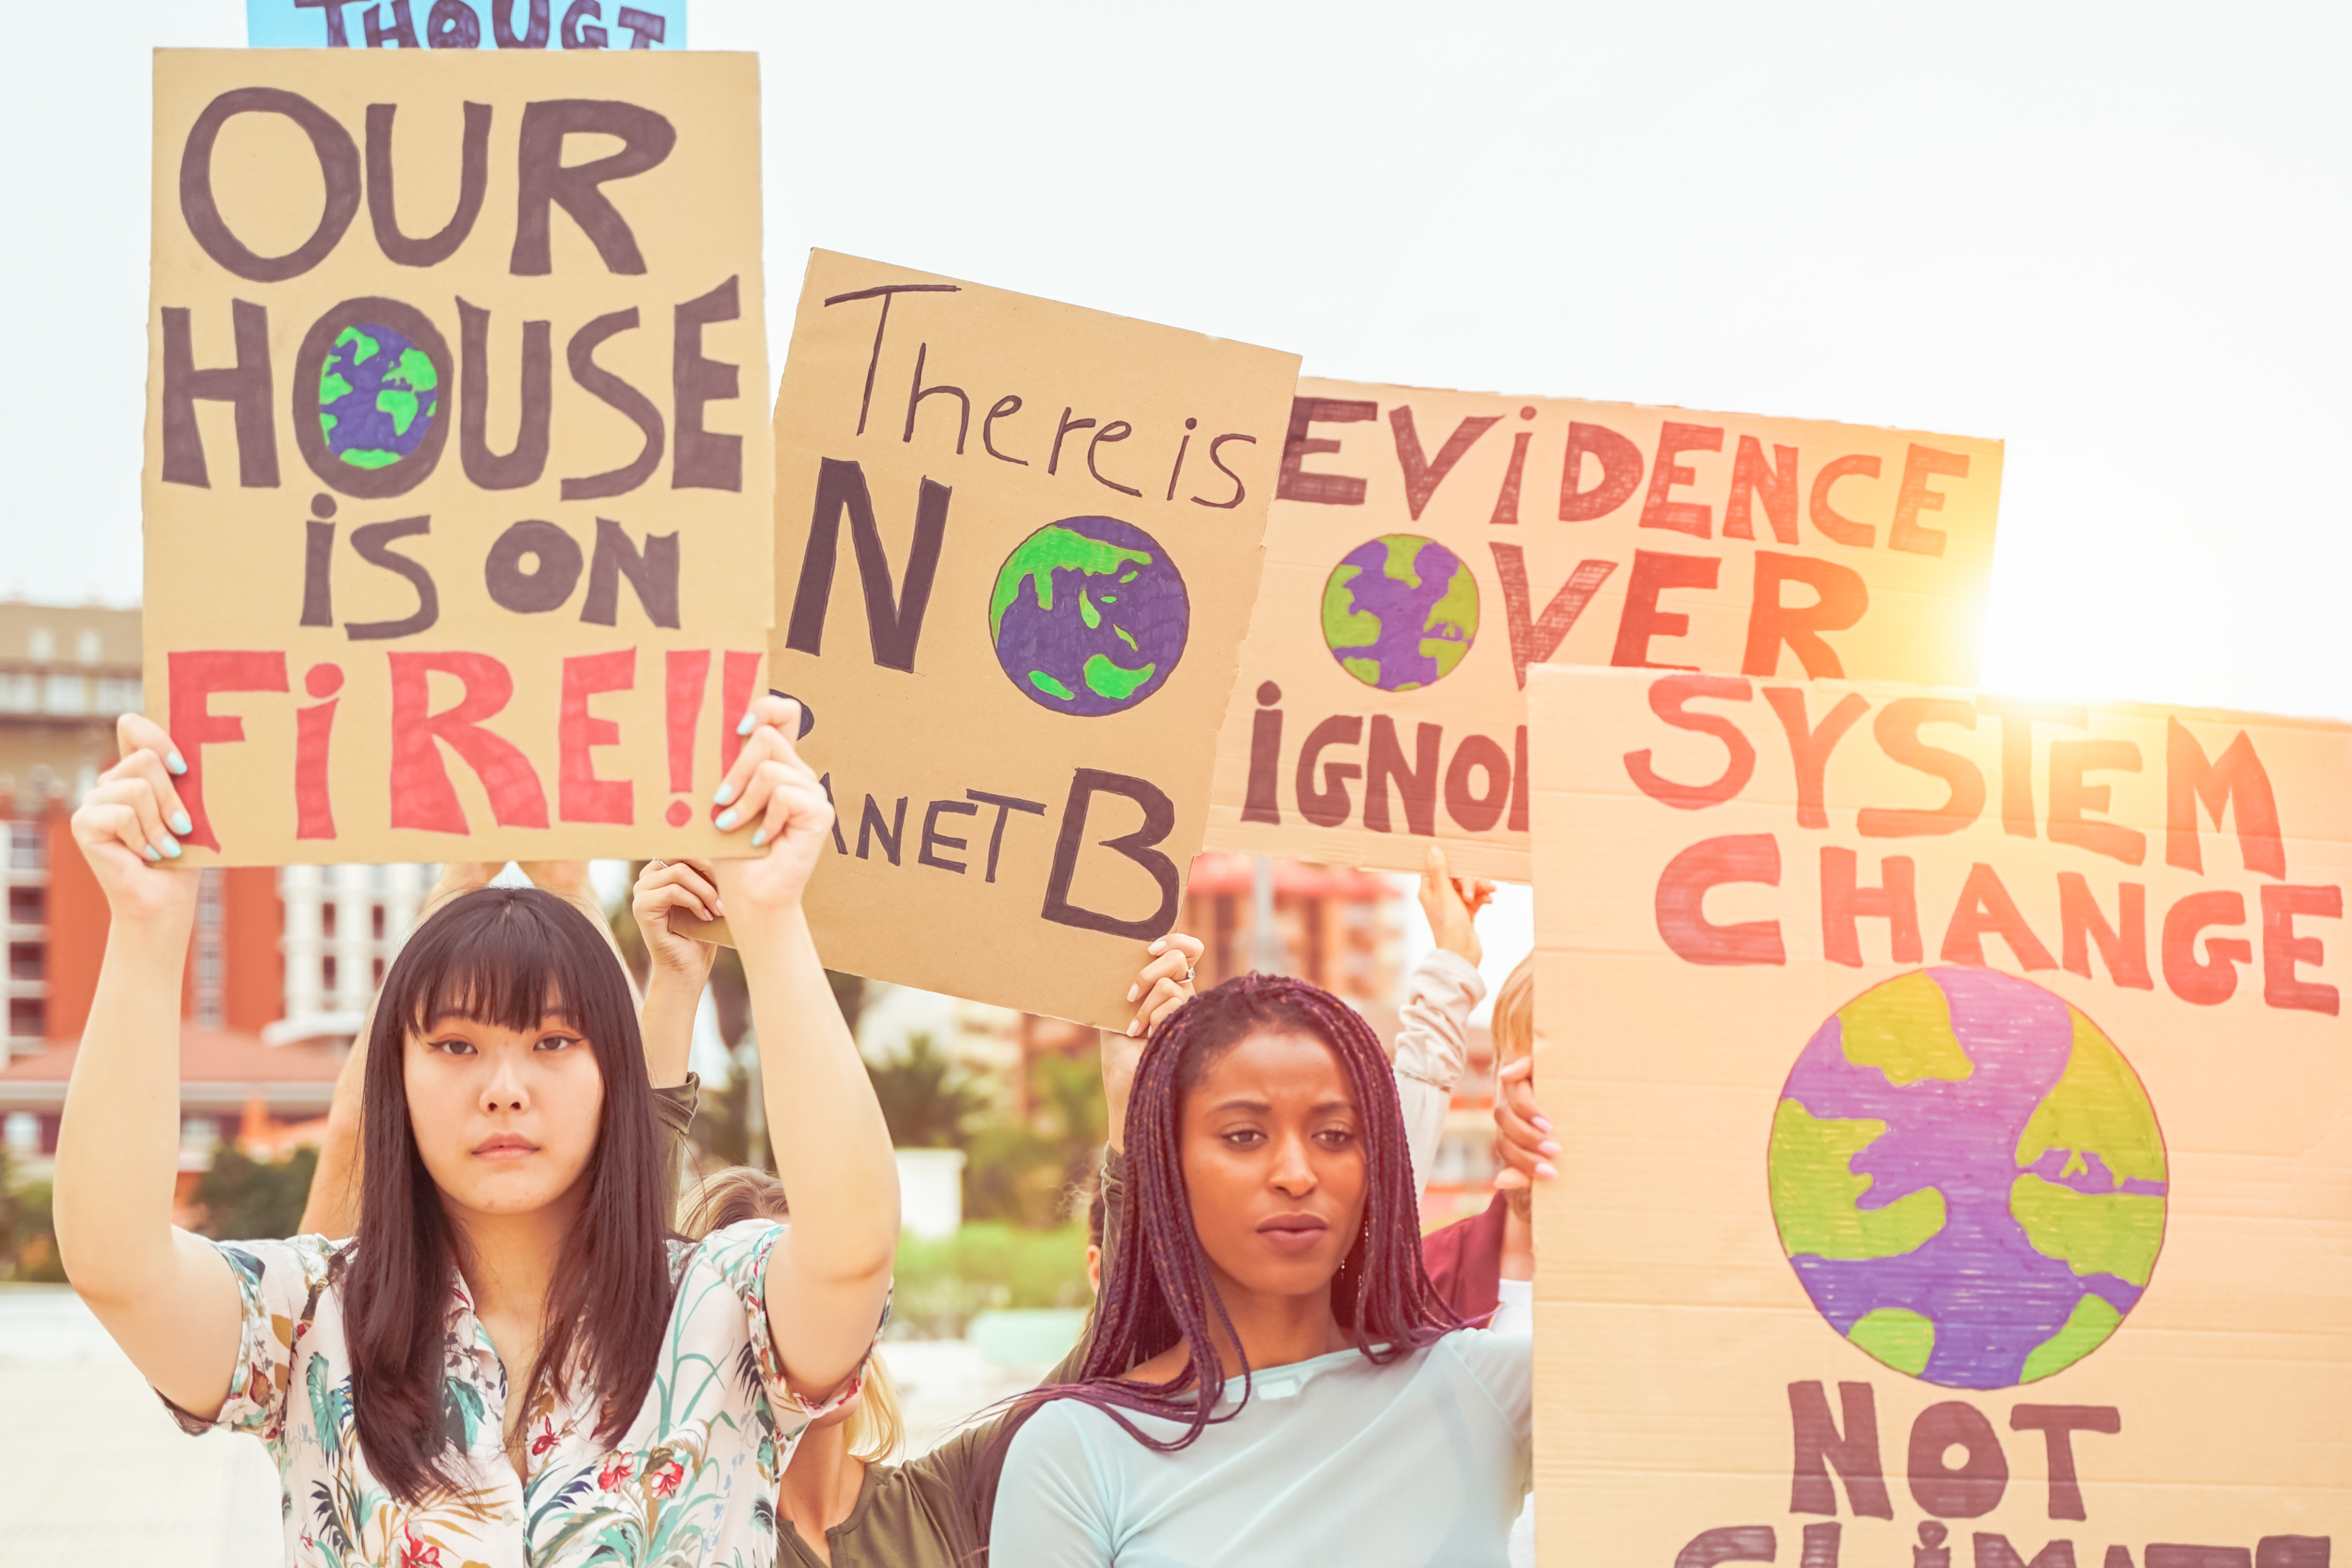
1335 1460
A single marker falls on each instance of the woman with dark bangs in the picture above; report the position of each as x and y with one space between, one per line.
1272 1376
514 1360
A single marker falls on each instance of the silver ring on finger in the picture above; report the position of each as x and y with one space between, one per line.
1188 976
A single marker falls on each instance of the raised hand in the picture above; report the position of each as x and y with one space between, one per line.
129 824
1523 1140
681 885
1165 982
775 795
1164 985
1452 904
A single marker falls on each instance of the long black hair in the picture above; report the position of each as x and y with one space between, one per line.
1159 1291
506 956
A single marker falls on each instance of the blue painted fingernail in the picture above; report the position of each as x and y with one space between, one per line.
170 847
180 825
150 851
176 762
745 727
726 793
759 836
725 820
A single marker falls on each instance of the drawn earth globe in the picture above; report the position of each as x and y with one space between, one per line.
1088 616
1400 611
378 396
1967 1178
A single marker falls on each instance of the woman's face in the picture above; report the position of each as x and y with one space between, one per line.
504 1118
1274 1162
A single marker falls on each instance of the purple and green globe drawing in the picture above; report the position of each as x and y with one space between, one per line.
1088 616
1400 611
378 395
1967 1178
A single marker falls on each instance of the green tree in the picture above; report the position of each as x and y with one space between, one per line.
248 1199
929 1100
34 1244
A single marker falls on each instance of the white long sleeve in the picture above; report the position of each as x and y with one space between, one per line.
1432 1049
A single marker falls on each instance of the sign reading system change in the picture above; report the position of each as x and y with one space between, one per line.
1956 1094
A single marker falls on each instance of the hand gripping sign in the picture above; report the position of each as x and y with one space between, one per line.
1426 550
1016 546
1954 1094
457 522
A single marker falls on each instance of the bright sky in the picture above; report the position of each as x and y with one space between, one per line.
2112 236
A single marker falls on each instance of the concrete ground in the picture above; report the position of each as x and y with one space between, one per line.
94 1475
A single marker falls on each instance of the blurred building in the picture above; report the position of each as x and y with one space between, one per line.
1338 928
66 674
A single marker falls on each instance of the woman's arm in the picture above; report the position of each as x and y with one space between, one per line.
676 967
1433 1043
828 1278
167 1296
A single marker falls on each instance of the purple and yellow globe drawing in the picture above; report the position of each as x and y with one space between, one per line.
1967 1178
378 396
1088 616
1400 611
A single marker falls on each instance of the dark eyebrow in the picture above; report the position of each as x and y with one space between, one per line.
1239 1104
1332 1105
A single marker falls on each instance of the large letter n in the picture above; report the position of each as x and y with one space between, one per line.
894 618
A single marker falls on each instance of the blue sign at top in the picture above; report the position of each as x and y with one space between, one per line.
464 25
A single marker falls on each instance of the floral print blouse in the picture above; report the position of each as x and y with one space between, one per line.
693 1482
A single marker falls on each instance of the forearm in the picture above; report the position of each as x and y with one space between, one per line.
829 1275
666 1020
332 1208
118 1143
833 1148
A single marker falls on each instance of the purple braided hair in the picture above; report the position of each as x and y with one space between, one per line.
1159 1291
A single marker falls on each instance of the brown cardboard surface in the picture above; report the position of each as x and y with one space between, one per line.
1657 559
479 649
976 470
1678 1330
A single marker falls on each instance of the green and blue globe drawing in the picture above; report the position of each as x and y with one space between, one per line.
1088 616
378 396
1967 1178
1400 611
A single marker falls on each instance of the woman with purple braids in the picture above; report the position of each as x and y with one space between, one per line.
1272 1376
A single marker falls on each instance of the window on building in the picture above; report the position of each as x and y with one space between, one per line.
89 647
119 694
200 1135
378 979
67 694
23 1135
42 645
375 922
327 912
28 960
326 969
28 1017
28 847
28 906
20 691
212 956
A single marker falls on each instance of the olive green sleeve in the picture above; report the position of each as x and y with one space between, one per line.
673 1107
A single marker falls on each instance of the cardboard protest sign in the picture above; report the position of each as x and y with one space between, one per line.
1016 546
1956 1095
1426 549
456 492
464 25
